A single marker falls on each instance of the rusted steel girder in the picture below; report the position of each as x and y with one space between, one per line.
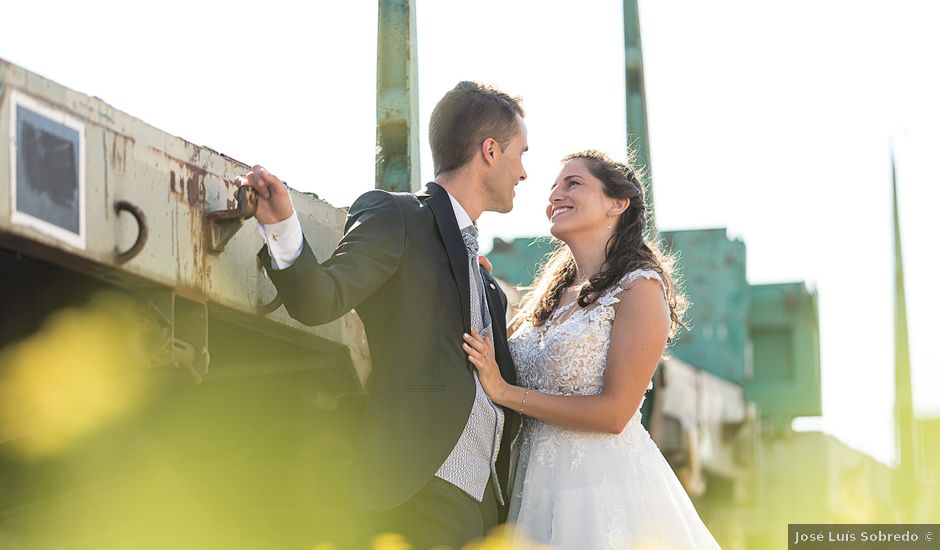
94 190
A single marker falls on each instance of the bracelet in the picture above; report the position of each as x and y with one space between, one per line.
521 407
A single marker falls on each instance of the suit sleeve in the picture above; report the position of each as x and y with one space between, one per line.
367 256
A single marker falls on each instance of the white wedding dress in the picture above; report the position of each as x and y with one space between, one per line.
587 490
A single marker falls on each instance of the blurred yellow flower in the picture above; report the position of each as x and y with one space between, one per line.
82 370
390 541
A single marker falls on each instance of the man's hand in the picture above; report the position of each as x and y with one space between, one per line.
273 199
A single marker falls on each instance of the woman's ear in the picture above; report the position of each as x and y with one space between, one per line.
619 207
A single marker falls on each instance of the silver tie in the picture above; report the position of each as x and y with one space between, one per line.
479 312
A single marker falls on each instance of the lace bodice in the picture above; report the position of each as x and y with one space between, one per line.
568 354
575 489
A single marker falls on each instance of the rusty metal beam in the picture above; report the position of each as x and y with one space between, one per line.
149 200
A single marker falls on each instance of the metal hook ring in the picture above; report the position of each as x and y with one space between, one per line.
125 206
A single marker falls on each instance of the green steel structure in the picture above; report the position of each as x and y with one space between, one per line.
518 260
637 126
397 166
784 335
713 267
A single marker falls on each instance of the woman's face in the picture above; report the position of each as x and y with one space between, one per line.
577 203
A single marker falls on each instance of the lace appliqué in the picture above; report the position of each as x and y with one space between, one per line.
568 356
616 534
574 489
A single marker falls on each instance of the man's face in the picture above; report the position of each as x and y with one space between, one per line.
507 171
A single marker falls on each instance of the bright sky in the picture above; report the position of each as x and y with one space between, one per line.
772 119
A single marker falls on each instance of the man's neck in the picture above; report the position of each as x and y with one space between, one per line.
465 189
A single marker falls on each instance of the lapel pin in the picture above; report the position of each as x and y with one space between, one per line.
492 286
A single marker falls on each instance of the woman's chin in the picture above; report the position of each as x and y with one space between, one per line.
558 231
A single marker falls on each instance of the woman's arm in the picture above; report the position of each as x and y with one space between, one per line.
638 337
510 329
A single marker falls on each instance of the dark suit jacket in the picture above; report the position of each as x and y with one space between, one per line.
403 266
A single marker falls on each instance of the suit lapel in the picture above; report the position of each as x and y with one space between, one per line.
439 202
494 299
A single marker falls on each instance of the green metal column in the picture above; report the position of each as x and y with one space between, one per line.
906 489
397 161
637 130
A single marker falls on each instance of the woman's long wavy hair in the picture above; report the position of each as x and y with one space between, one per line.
628 249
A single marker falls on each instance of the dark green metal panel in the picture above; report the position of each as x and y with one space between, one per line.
397 166
784 326
516 261
713 267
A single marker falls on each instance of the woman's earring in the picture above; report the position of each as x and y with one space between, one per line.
608 220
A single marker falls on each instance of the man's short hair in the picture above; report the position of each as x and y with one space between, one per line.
465 117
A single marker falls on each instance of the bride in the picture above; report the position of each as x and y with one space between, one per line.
586 342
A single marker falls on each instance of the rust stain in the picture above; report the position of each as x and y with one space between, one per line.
188 186
195 199
196 189
191 178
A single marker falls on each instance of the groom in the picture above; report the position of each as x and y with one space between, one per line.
432 459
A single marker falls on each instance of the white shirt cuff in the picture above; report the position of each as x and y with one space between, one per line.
285 240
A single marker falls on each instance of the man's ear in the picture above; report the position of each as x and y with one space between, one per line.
489 148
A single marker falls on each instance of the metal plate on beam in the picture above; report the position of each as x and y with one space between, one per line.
47 170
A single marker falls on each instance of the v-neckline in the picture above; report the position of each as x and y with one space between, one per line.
553 319
556 319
